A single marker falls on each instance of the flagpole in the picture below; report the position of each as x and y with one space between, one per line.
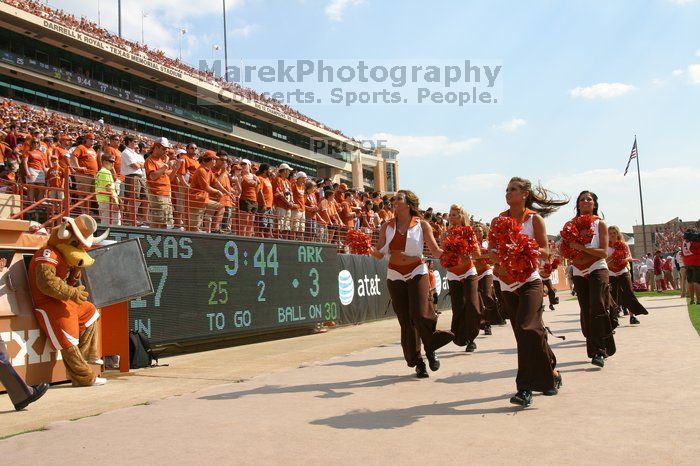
641 199
225 45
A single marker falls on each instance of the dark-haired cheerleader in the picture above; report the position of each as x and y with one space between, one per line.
591 283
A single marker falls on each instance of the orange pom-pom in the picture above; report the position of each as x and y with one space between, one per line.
358 242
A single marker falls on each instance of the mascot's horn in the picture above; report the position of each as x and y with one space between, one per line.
102 237
63 232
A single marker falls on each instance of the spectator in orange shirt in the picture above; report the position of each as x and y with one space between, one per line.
248 203
298 207
55 178
201 187
311 211
265 216
113 150
9 176
49 146
34 168
61 150
158 173
283 200
347 214
84 159
35 134
224 178
340 192
386 213
184 174
329 214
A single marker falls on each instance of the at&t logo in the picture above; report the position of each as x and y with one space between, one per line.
346 287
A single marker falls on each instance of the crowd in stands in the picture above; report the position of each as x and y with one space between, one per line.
87 27
138 180
669 237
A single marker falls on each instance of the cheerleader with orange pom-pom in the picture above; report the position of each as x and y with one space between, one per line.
487 291
620 280
517 240
460 244
547 268
585 242
402 239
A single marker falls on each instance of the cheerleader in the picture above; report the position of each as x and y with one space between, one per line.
402 239
487 293
620 280
464 294
591 284
547 279
523 300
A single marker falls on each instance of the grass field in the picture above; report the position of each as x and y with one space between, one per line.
652 294
694 311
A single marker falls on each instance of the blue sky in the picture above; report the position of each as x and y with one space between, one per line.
580 79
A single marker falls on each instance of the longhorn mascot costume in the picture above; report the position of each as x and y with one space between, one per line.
61 305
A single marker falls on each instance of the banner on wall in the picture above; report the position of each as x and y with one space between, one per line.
362 290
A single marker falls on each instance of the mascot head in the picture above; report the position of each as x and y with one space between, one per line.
74 237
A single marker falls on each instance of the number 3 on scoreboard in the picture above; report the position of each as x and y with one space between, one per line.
314 273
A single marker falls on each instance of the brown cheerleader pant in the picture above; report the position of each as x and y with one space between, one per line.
466 318
488 304
411 302
592 293
551 294
621 287
536 361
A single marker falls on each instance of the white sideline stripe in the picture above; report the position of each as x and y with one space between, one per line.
92 320
70 338
52 335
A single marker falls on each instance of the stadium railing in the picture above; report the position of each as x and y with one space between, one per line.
48 205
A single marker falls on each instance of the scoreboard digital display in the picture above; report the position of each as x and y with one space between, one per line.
210 286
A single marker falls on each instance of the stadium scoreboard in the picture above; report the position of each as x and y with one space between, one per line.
208 286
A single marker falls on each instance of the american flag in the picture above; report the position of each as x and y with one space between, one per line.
633 155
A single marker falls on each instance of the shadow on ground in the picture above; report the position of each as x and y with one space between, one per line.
402 417
328 390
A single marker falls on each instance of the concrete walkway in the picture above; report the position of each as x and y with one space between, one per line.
367 407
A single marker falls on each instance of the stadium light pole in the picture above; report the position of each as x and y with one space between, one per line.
225 46
181 32
119 16
143 15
